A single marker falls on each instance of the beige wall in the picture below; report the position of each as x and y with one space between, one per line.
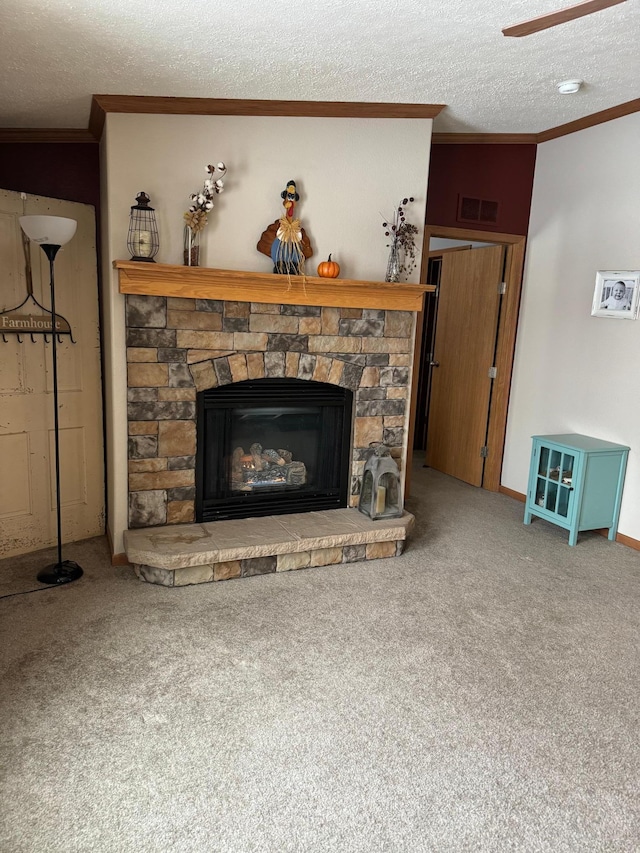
574 372
114 360
350 172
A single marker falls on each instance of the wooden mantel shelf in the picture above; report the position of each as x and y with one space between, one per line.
152 279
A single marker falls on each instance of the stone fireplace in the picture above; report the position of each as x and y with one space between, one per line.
179 348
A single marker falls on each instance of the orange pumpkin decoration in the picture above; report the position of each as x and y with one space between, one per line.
329 269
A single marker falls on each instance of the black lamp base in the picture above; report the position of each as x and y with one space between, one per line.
59 573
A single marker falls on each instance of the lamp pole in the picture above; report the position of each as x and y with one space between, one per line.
41 229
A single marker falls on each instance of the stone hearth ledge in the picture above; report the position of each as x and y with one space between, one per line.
203 546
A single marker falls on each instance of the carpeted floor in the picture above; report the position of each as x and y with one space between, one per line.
480 693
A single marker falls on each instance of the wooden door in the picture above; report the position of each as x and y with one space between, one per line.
466 328
27 481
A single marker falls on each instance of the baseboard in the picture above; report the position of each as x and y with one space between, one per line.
622 539
116 559
629 541
511 493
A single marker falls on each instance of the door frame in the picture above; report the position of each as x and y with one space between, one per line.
505 345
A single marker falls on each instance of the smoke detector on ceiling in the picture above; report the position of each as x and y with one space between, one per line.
569 87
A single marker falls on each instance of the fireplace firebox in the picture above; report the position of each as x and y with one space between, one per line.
272 446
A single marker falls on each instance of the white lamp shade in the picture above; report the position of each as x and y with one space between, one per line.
54 230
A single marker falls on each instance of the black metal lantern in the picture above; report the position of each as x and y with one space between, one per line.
380 495
142 239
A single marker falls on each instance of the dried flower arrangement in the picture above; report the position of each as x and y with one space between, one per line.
402 245
202 202
196 217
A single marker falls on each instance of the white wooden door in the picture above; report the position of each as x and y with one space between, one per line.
27 463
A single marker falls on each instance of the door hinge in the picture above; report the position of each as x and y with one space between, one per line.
493 372
502 288
484 452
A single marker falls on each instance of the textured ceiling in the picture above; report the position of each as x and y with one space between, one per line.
55 54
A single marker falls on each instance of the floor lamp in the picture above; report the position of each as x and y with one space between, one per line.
52 232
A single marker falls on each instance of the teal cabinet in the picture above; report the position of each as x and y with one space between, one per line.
575 481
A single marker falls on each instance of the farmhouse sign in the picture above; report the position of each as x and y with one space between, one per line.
14 323
37 324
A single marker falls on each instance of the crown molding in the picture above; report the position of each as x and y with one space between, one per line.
45 134
103 104
484 138
590 120
536 138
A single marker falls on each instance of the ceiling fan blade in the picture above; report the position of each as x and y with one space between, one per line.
559 17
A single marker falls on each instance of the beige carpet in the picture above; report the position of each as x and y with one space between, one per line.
480 693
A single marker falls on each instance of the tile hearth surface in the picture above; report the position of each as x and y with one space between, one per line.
188 545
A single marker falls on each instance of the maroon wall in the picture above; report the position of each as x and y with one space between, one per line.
502 173
65 170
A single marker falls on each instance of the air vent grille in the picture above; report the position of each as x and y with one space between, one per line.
477 210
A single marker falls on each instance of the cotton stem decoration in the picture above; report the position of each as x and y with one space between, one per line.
196 218
202 202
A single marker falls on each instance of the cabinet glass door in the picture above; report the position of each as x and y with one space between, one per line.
554 482
543 465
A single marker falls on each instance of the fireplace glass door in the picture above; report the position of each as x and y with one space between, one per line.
272 446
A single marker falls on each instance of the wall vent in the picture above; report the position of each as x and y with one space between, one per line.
477 210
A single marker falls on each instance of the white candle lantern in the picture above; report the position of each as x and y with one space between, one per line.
380 495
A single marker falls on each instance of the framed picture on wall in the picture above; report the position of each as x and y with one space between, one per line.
617 294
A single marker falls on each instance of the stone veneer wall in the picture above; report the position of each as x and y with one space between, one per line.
177 347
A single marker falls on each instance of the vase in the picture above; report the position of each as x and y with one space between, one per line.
393 264
191 247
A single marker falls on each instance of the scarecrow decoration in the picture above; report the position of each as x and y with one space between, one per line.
285 241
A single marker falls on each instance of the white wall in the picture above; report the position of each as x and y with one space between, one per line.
351 173
574 372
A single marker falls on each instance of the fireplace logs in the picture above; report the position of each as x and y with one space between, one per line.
261 467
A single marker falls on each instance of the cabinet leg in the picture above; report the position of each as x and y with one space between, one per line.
573 537
612 534
527 518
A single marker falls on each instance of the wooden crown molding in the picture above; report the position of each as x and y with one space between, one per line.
552 19
484 138
103 104
45 134
591 120
536 138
